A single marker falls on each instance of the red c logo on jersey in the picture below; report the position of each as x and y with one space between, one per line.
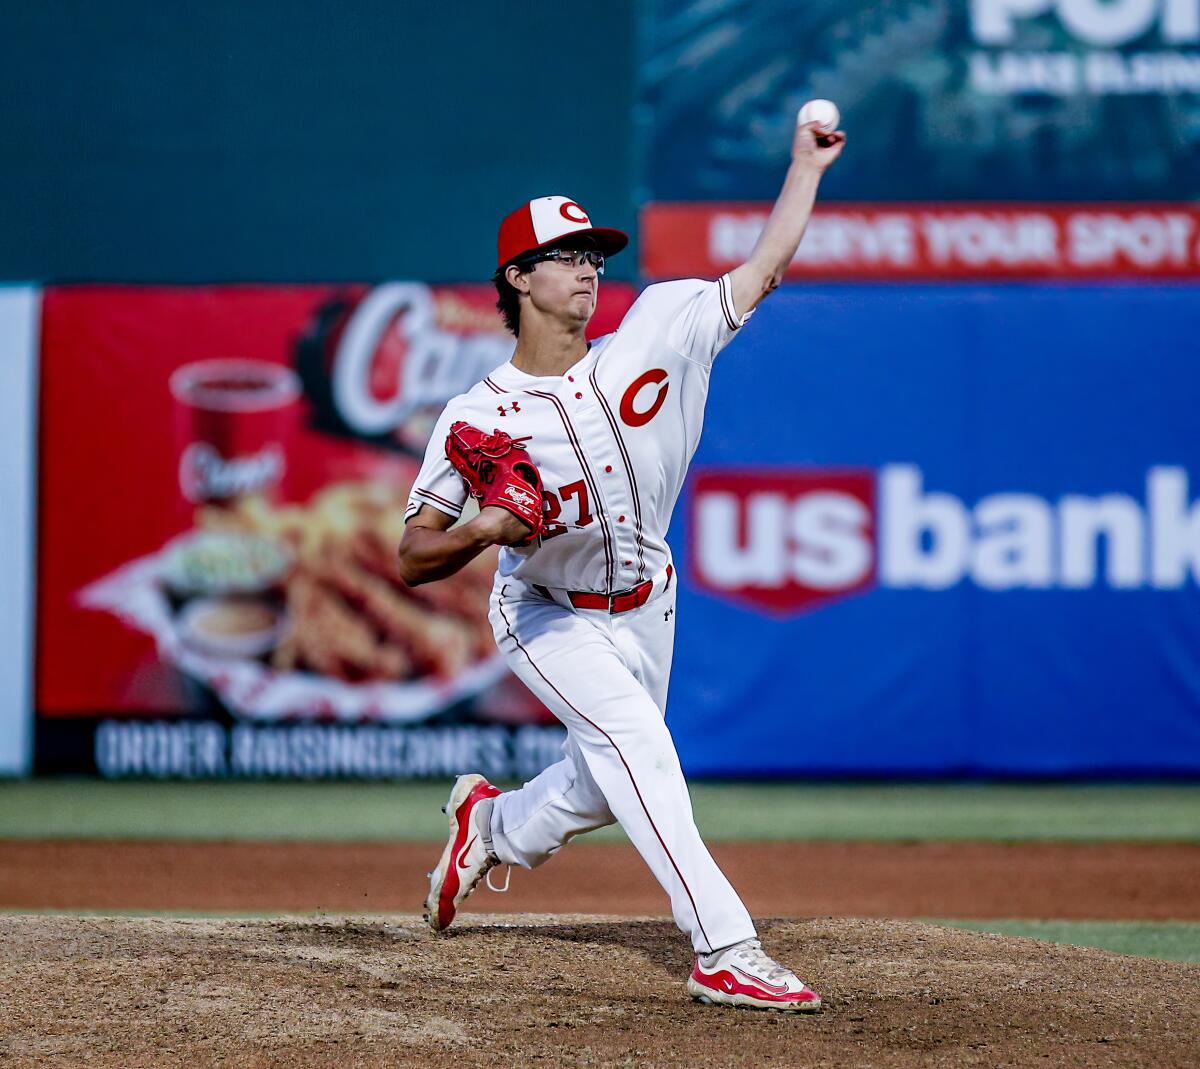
632 416
571 211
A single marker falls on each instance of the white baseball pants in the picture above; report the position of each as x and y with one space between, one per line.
605 677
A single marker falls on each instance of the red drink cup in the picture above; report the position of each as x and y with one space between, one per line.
235 420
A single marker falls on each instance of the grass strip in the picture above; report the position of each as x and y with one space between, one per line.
1165 940
409 812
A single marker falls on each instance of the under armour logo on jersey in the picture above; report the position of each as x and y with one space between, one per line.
503 409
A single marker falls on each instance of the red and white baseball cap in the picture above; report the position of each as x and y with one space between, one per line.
546 221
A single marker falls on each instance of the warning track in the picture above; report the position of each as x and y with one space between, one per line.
1103 881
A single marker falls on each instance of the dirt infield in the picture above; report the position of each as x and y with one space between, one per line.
569 991
986 880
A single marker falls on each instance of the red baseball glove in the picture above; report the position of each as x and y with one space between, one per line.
496 470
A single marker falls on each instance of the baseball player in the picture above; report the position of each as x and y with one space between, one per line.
577 453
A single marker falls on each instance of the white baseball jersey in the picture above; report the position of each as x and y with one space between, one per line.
612 439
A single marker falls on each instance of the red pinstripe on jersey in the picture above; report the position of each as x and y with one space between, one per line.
725 289
633 489
429 495
587 474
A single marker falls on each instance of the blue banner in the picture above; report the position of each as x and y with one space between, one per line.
946 531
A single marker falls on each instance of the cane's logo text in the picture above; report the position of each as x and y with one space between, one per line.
205 475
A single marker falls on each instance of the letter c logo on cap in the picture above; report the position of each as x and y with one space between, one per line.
571 211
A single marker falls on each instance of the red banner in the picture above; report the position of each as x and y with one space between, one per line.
934 241
223 478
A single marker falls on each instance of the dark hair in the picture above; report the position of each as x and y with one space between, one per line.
508 301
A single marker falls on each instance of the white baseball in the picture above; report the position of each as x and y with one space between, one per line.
823 112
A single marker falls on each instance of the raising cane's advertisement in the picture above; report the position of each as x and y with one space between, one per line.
223 478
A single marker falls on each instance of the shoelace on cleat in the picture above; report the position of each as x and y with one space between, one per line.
760 963
507 878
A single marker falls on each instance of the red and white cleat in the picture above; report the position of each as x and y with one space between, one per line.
742 975
465 860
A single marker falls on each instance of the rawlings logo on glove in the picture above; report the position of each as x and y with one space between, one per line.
496 470
521 497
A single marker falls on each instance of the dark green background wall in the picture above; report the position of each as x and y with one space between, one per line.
300 140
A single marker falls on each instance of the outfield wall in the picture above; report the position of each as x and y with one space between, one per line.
928 531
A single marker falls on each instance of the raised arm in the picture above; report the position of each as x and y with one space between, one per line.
430 551
785 227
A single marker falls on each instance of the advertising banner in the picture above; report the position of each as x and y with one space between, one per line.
995 100
934 241
18 495
223 478
937 531
927 531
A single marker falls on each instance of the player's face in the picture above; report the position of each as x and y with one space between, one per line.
565 288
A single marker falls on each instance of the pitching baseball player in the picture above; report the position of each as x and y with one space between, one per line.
577 454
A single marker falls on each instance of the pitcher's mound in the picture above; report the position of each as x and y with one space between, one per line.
559 991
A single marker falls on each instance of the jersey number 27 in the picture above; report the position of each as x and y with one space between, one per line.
554 507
